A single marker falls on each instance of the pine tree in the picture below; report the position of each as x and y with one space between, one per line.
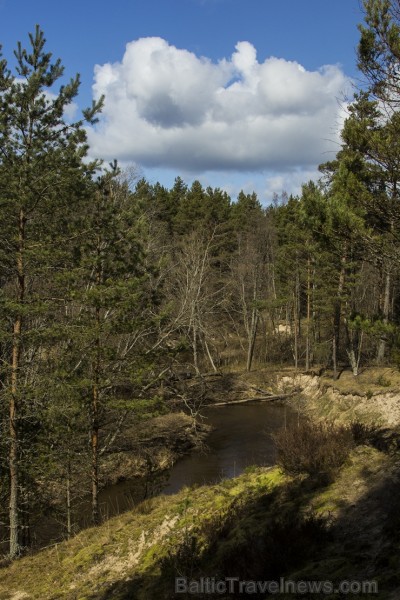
113 319
367 177
42 175
379 49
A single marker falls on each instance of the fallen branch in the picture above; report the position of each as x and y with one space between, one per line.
255 399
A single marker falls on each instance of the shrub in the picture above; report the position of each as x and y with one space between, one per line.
362 433
383 382
315 449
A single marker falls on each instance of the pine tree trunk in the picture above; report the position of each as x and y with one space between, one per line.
386 308
15 548
308 314
334 358
13 456
295 330
95 427
337 317
316 323
68 500
95 456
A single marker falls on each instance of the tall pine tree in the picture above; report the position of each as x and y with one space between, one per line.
42 175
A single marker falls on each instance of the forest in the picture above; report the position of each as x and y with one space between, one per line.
112 286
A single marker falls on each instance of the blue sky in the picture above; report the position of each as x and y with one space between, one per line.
239 94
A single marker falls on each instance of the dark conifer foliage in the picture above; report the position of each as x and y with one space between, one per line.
42 176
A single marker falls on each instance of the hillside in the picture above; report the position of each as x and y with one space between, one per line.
259 526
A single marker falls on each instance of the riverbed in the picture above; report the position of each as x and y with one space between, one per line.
241 436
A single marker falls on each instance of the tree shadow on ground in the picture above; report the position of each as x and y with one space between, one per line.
275 535
260 538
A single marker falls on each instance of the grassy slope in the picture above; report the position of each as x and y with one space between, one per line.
125 546
259 525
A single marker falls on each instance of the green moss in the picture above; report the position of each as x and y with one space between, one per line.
230 522
88 555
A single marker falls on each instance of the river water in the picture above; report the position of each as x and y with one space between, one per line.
241 437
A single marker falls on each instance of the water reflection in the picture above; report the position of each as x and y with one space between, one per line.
242 437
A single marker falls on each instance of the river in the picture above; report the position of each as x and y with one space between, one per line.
241 437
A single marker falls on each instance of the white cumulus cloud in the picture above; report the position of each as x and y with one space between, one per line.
167 107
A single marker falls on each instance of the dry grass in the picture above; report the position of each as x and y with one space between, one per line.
123 547
372 379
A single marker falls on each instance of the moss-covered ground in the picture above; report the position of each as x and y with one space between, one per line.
259 526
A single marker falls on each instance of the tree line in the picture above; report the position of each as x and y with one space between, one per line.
111 284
